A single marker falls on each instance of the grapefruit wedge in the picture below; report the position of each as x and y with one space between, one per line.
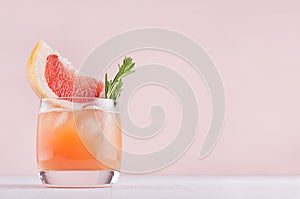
52 76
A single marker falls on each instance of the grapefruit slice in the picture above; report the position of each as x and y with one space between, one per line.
52 76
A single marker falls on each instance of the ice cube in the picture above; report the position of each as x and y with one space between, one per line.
59 119
89 130
89 127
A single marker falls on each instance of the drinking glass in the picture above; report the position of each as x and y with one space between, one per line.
79 142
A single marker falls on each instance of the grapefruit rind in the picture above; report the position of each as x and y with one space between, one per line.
37 58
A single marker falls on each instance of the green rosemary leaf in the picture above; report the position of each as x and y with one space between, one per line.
113 87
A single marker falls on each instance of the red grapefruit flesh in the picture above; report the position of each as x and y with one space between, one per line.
65 82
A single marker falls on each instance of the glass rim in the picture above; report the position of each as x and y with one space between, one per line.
87 98
77 103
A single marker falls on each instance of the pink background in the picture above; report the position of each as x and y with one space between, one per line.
254 44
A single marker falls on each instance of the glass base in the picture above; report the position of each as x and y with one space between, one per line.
79 178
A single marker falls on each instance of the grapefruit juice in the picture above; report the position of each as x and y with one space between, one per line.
88 138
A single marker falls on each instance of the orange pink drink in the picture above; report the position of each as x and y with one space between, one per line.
85 136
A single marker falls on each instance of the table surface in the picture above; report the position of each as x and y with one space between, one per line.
146 186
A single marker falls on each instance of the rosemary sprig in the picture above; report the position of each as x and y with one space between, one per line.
113 87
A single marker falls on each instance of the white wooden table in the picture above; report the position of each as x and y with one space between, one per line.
145 186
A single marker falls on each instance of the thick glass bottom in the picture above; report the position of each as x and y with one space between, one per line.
79 178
